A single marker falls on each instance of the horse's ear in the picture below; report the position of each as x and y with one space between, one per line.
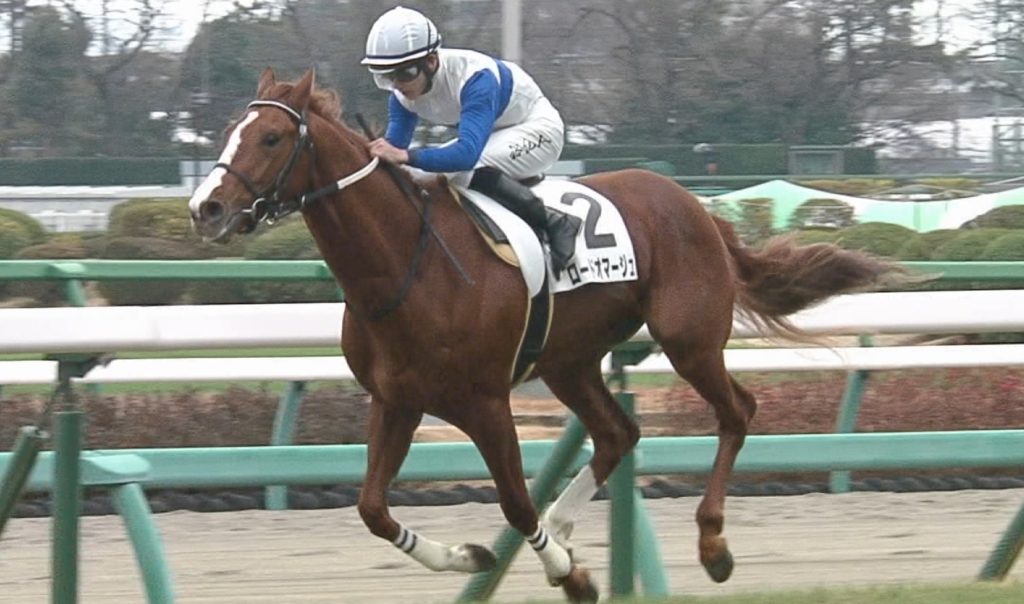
303 90
267 81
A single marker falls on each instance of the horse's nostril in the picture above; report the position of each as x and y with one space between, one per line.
211 210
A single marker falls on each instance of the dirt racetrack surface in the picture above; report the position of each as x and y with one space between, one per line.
321 556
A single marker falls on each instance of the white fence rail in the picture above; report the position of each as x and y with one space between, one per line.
125 329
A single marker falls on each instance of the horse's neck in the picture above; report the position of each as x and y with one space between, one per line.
367 233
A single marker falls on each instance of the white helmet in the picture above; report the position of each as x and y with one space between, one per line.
398 36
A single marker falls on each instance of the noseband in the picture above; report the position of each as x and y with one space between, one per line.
267 204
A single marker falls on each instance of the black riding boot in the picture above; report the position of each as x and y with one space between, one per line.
560 228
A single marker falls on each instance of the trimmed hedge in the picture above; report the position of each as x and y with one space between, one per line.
30 228
288 240
1003 217
922 246
879 238
48 293
168 219
1009 247
816 235
13 237
157 218
967 245
148 292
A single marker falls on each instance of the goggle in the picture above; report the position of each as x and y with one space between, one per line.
403 74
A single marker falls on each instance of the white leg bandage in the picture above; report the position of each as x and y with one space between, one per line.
435 556
553 556
560 516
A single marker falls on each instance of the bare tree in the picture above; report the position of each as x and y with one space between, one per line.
12 13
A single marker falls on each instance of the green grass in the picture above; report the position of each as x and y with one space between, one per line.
974 593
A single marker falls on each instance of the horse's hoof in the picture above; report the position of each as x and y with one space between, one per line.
578 587
720 569
483 558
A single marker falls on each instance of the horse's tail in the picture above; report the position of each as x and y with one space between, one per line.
783 277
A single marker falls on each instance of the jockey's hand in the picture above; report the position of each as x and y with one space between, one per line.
388 152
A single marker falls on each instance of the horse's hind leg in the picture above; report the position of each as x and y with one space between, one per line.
492 428
389 436
734 408
613 432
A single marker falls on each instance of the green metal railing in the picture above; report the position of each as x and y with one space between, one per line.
301 270
251 466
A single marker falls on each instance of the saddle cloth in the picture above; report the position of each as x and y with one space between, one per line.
604 250
604 253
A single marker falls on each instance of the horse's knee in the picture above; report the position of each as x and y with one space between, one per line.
376 518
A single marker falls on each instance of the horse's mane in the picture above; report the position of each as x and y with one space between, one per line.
325 102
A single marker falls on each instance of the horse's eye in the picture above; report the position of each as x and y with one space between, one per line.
271 140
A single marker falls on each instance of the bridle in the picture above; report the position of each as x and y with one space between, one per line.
267 204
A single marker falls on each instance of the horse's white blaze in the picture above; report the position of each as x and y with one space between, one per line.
214 179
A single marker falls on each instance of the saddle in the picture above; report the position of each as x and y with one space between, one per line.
538 312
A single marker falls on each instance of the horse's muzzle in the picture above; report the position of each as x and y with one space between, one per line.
214 224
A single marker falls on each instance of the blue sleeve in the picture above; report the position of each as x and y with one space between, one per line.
479 98
401 124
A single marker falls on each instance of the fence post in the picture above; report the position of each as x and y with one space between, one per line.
1006 552
846 420
283 433
26 450
647 559
622 517
67 501
67 484
131 504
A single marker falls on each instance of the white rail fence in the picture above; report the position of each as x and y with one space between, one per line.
132 329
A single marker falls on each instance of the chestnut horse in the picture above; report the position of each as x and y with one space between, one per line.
424 334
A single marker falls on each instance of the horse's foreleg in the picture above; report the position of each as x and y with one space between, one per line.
389 436
493 431
734 408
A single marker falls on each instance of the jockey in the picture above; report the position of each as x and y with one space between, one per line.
507 129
